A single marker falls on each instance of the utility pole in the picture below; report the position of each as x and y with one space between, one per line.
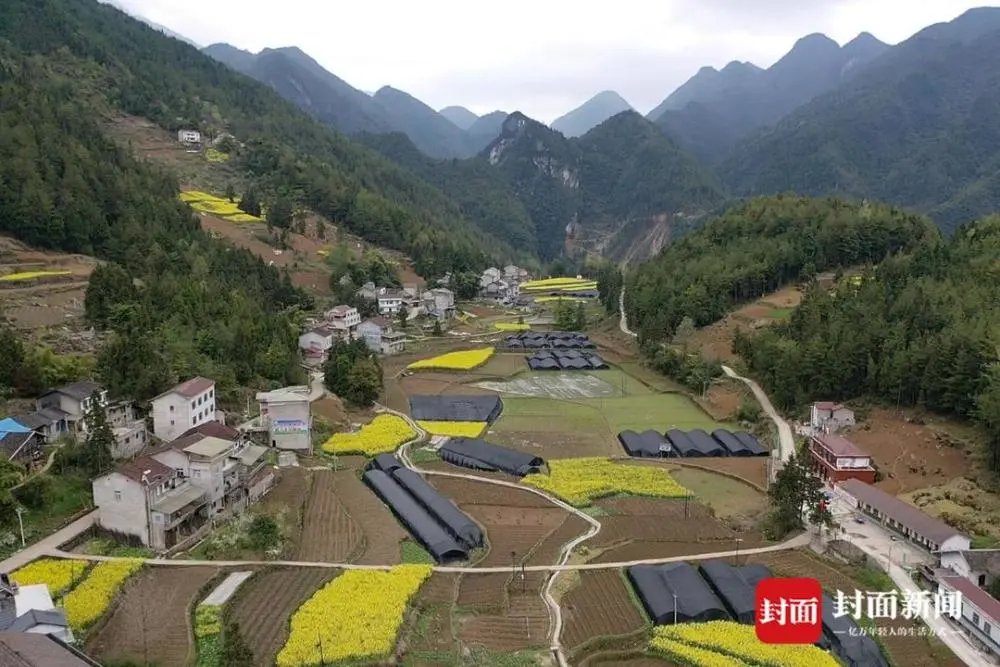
20 523
675 608
738 540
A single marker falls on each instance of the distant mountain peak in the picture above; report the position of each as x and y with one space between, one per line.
460 116
813 40
591 113
737 66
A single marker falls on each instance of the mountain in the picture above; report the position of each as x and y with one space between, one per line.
590 114
713 110
916 127
460 116
304 82
486 128
432 133
152 24
623 188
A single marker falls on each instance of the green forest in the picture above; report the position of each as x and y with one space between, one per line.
918 330
758 247
111 61
176 301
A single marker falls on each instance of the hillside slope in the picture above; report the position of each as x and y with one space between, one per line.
917 128
144 73
590 114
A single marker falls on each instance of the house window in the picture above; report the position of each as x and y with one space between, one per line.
975 619
192 405
194 420
118 496
171 422
171 408
211 394
986 628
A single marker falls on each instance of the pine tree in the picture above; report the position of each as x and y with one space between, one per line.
580 320
100 440
796 489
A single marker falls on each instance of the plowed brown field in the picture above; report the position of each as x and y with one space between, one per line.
382 533
599 606
265 603
151 624
329 534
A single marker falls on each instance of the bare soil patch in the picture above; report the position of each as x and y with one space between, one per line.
382 533
483 590
558 444
329 534
911 455
151 622
715 340
469 492
264 604
599 606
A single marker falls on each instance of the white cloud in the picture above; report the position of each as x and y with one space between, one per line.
542 58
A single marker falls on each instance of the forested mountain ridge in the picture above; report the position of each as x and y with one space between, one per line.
710 113
609 184
757 247
916 127
145 73
919 330
431 132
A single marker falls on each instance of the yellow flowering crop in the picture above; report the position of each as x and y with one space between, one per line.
569 299
453 429
689 655
579 481
383 434
213 155
207 620
512 326
554 283
740 641
88 601
458 361
31 275
355 617
58 574
195 195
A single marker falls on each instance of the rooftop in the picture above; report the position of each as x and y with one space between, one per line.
34 617
341 311
30 649
155 471
980 599
381 322
78 390
251 454
293 394
905 514
984 560
321 330
209 447
839 445
214 429
829 406
179 498
191 388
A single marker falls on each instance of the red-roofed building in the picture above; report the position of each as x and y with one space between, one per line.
980 615
828 417
837 459
187 405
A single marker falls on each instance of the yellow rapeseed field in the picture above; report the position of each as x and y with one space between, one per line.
512 326
580 481
219 206
59 574
207 620
383 434
453 429
356 617
213 155
740 641
88 601
689 655
31 275
569 299
464 360
553 283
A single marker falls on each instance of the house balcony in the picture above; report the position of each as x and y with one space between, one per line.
179 505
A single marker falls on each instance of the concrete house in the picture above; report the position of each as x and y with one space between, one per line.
47 423
130 433
25 649
490 276
980 566
315 344
188 404
980 614
150 500
343 320
390 301
830 417
18 442
286 416
439 302
29 609
189 136
836 459
73 400
368 291
380 337
920 529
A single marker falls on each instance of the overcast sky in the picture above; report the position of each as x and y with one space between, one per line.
540 57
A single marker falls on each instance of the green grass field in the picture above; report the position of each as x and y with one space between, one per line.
780 313
659 412
726 496
621 380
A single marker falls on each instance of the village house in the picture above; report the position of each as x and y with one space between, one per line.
980 566
980 613
315 345
380 337
343 320
489 277
439 302
149 500
515 274
19 443
368 291
836 459
920 529
390 301
830 417
411 290
47 423
189 136
285 413
73 400
188 404
29 609
130 433
41 650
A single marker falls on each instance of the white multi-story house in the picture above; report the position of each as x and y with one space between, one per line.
343 320
130 433
285 414
389 301
73 400
315 344
380 337
185 406
150 500
490 276
444 302
189 136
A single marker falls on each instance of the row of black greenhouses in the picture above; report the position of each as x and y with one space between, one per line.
548 362
549 340
717 591
445 531
481 455
469 408
688 444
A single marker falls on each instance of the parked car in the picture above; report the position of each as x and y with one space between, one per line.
858 519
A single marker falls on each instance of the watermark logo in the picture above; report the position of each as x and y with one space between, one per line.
789 611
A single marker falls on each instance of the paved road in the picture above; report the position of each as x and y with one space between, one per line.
786 441
48 545
623 321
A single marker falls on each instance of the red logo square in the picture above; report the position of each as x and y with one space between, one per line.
789 611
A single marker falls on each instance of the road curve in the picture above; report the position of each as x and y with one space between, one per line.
786 441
